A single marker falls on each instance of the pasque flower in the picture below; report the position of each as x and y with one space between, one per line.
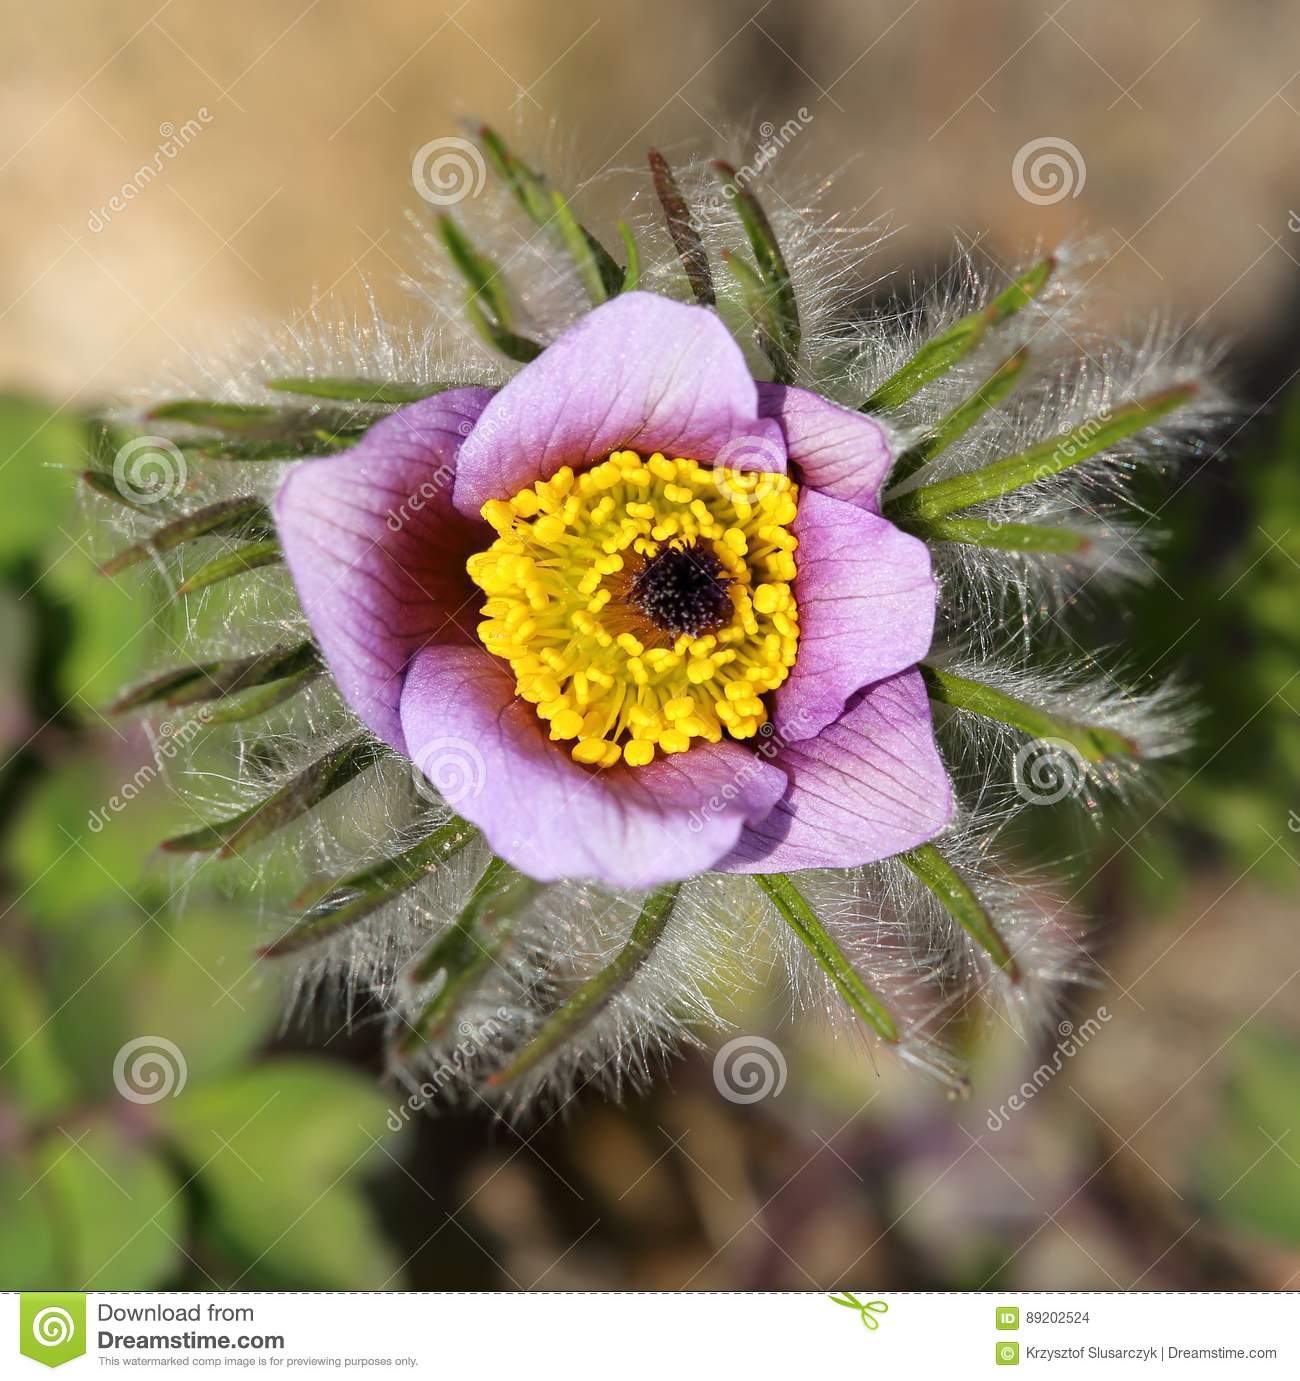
617 628
699 641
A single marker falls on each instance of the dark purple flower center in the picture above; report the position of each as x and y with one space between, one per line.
683 588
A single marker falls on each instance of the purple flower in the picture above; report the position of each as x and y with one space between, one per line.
634 614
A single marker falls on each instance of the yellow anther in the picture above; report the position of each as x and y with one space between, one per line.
606 678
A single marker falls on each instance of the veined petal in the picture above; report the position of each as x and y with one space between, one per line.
869 786
842 453
377 550
640 372
489 755
866 600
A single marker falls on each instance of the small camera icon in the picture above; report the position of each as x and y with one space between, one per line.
1007 1354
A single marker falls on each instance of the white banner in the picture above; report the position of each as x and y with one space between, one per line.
656 1336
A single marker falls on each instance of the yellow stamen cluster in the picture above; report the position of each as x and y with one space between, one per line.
598 669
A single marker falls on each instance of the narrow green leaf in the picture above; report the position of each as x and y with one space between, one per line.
353 898
681 230
242 517
309 788
1094 742
790 902
928 865
461 955
188 685
103 483
578 245
1047 458
568 1019
782 345
487 304
249 704
1027 537
357 390
631 274
530 191
963 417
938 356
249 557
221 417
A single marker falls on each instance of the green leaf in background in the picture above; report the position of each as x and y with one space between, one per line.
39 452
29 1252
64 866
191 981
117 1210
1247 1171
33 1075
278 1149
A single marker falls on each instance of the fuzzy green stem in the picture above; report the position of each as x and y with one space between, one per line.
1026 537
360 894
465 949
929 866
790 902
1039 462
599 989
1094 742
963 417
938 356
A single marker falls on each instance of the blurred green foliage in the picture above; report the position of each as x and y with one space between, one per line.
248 1170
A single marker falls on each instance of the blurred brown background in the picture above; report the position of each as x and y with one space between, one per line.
1186 122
